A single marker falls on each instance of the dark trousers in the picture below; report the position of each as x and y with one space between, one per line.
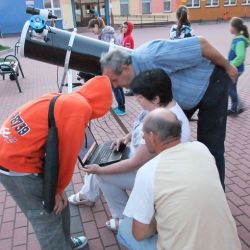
212 118
119 97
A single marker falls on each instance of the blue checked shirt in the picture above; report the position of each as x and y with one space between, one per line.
182 60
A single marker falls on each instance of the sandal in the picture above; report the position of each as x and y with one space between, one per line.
113 224
75 200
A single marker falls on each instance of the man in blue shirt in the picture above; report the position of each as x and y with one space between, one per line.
200 77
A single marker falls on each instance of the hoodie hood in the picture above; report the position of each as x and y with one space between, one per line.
108 30
130 29
98 93
247 41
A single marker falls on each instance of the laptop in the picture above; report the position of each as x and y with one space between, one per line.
92 153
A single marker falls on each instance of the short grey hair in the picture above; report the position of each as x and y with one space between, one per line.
115 59
163 123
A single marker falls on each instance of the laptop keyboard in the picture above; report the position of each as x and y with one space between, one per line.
104 154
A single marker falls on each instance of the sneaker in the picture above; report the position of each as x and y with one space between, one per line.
79 242
129 93
232 113
241 110
119 112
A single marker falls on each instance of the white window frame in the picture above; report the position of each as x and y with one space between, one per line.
194 7
230 4
146 1
170 10
212 4
124 4
53 9
246 3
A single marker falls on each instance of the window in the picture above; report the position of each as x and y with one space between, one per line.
210 3
167 5
229 2
146 8
124 7
193 3
246 2
54 6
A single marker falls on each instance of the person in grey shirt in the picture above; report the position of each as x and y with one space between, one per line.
200 79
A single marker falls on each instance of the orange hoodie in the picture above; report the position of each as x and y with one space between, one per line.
23 135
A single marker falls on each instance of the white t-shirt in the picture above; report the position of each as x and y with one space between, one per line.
137 134
181 188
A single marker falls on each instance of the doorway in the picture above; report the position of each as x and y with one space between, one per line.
88 9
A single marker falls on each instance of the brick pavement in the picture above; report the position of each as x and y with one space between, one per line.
17 234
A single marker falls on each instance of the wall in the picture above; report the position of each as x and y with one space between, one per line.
214 13
13 18
67 16
13 15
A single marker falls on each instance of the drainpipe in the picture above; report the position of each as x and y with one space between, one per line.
73 13
107 14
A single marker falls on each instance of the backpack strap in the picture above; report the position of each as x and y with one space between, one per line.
51 118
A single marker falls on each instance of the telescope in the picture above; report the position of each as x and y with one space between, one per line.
62 48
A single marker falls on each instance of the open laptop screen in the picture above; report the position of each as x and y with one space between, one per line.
88 145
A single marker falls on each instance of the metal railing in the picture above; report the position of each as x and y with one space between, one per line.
142 20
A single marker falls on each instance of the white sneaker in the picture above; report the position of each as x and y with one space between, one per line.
79 242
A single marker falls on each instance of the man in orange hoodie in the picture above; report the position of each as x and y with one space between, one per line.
22 142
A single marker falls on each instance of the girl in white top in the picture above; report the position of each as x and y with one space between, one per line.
152 89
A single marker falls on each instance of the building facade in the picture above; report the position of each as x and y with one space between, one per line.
77 13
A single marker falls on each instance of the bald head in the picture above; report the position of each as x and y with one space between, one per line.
163 123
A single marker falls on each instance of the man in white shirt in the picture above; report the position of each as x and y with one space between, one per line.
177 194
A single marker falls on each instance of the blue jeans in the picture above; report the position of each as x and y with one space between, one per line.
126 238
52 231
236 102
119 97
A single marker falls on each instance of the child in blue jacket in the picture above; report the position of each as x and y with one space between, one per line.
236 57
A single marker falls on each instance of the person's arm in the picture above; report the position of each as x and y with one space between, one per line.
142 231
141 156
240 52
212 54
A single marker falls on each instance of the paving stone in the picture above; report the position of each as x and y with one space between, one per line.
6 230
235 199
91 230
33 243
30 228
95 245
9 214
98 206
2 196
237 146
100 218
86 213
245 209
107 237
6 244
237 189
9 202
20 236
247 199
22 247
115 247
76 224
244 220
244 234
20 220
1 208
